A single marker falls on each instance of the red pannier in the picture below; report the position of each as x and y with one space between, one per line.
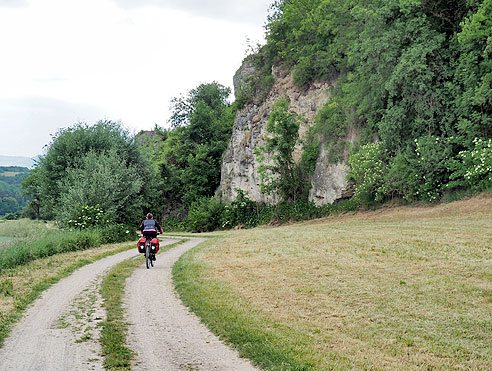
154 244
141 245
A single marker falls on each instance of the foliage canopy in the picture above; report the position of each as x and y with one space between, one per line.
414 75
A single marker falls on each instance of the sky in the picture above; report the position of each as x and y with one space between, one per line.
69 61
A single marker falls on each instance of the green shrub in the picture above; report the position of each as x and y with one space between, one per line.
95 219
241 211
88 217
310 154
117 233
431 166
278 171
402 178
174 224
14 216
304 72
205 215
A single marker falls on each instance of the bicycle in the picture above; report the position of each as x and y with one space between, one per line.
149 246
148 254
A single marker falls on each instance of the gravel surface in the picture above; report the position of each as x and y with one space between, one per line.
41 340
59 330
163 332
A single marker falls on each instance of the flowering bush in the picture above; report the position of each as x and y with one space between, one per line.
431 170
367 169
473 168
89 217
117 233
101 222
419 172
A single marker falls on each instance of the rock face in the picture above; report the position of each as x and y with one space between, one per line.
239 165
328 182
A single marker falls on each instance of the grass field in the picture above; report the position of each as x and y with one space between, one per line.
395 289
10 173
5 239
24 229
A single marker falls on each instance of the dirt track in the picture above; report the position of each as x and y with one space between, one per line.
164 334
59 331
40 341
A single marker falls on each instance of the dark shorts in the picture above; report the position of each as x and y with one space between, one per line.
148 234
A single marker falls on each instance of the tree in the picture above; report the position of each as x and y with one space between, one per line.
8 205
74 152
282 176
102 179
473 77
214 95
32 189
192 151
406 70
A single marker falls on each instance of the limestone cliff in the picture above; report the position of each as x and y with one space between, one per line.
239 165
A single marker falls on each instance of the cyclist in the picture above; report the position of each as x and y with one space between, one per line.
150 228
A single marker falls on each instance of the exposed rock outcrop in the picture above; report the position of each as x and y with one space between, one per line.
239 165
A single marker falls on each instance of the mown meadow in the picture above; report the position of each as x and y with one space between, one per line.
397 288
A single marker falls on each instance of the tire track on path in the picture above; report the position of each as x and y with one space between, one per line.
38 342
163 332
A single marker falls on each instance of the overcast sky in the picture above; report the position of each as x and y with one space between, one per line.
65 61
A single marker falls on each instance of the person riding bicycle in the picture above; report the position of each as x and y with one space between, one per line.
150 228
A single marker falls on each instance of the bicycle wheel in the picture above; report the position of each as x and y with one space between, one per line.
147 254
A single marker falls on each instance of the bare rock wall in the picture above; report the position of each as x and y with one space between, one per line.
239 165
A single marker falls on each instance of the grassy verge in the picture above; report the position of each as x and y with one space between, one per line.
33 240
117 355
234 319
21 285
194 235
400 288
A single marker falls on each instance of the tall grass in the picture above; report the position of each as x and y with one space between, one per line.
30 241
54 242
20 230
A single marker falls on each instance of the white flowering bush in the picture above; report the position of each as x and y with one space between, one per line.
432 154
418 172
89 217
367 170
102 222
473 168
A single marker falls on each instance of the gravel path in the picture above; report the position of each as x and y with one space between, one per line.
163 333
41 340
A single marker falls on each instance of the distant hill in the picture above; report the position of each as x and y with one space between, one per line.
11 197
16 161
